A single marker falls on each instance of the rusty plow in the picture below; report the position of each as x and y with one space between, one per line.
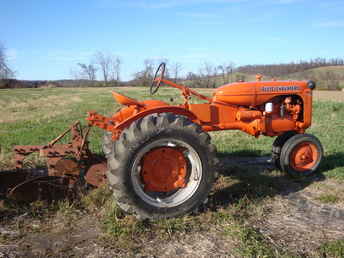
68 166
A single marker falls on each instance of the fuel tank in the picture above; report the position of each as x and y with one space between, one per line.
256 93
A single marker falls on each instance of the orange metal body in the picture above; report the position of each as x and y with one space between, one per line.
236 106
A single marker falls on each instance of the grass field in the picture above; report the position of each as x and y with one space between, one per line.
248 210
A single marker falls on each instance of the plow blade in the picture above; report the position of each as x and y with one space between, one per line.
40 188
24 187
9 179
68 165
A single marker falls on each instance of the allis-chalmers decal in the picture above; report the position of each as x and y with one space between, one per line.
280 88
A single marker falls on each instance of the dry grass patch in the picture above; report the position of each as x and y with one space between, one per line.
327 192
36 109
337 96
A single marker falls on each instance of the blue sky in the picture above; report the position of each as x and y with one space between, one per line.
45 39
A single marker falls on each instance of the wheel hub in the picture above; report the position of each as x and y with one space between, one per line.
164 169
304 156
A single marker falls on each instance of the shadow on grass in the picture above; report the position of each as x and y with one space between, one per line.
256 181
241 153
332 161
243 179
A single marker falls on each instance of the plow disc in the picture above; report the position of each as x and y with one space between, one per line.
67 165
40 188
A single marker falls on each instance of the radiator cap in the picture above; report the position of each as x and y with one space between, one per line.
311 85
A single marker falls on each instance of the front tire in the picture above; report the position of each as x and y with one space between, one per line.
161 166
301 155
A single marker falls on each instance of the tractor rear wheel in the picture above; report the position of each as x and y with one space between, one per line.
161 166
301 155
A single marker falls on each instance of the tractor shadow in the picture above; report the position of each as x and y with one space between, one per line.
254 177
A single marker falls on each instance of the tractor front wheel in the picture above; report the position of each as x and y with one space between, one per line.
301 155
161 166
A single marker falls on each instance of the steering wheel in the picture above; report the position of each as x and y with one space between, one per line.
159 75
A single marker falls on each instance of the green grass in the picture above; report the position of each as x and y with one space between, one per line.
328 122
328 198
35 116
333 249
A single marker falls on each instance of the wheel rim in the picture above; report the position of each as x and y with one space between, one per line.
173 185
304 157
164 169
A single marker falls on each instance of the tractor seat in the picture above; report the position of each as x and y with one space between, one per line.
124 100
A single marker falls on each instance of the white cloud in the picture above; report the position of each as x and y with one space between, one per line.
274 39
330 24
160 4
165 4
199 15
67 56
11 54
201 18
287 1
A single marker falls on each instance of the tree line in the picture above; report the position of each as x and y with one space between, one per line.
109 67
277 70
107 64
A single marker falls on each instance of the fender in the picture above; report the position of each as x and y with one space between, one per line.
168 109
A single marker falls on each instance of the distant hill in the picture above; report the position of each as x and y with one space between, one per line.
336 70
14 84
327 78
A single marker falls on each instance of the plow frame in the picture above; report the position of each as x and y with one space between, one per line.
67 164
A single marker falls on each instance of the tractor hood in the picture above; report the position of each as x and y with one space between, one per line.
257 93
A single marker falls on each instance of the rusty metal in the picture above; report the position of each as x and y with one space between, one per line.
41 188
76 148
66 165
96 174
10 179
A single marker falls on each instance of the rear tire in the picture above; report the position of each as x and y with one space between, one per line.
127 167
301 155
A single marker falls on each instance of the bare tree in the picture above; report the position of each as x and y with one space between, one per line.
194 80
144 77
87 71
110 66
104 61
229 71
176 70
115 69
226 71
5 71
207 71
148 71
222 71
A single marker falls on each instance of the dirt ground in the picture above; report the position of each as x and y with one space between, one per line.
293 219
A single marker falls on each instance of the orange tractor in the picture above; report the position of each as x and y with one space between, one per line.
160 160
